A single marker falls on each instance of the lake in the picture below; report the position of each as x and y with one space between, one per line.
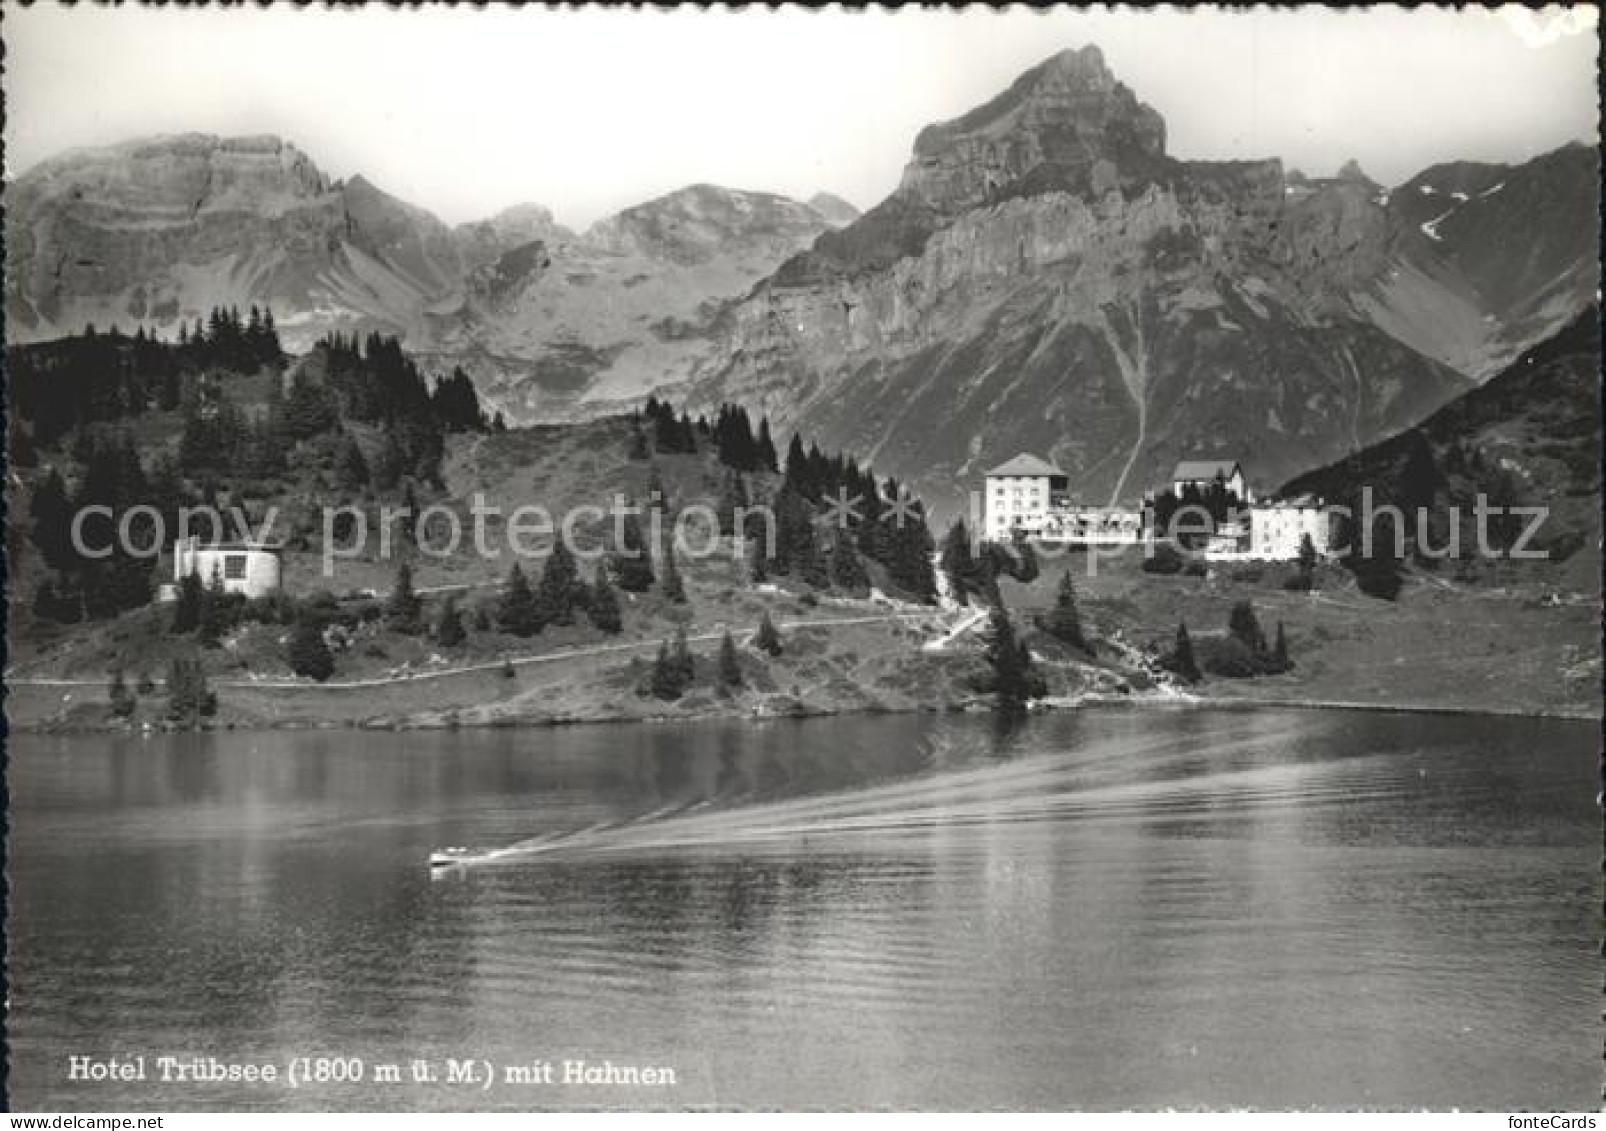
1100 909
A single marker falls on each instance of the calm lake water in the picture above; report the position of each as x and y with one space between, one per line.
1112 908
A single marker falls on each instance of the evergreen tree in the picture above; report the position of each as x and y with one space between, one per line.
187 608
673 670
1182 661
960 565
517 613
309 653
847 571
1245 627
1307 560
631 560
560 589
766 447
389 463
449 631
909 553
685 665
51 512
664 682
122 701
403 607
732 503
409 515
603 605
767 639
189 699
1064 620
352 468
213 620
1013 680
730 665
674 588
638 441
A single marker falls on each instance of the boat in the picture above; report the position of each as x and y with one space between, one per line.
451 857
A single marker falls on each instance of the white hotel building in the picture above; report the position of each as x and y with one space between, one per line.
1021 494
1031 496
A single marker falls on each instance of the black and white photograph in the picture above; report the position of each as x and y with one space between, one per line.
769 559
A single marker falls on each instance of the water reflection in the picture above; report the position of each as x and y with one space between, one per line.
1099 909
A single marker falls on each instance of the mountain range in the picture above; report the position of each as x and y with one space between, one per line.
158 231
1046 277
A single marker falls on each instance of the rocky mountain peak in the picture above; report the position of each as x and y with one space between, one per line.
178 176
1352 173
1066 123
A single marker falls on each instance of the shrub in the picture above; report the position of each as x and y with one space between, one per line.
1163 559
308 653
1228 656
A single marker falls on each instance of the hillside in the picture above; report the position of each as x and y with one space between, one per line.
393 620
1530 436
1047 278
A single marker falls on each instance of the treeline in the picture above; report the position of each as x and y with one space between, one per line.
229 446
1243 652
59 386
377 382
830 514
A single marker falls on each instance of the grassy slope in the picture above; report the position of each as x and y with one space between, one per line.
1496 645
856 666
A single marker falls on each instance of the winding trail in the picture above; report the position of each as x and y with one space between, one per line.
489 666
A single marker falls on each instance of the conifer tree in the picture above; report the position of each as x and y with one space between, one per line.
353 467
767 639
560 589
603 605
1013 680
51 512
1245 627
187 608
664 682
1064 620
674 588
189 699
309 653
766 447
213 619
403 607
631 560
730 665
517 613
121 700
1307 559
847 571
449 632
1182 661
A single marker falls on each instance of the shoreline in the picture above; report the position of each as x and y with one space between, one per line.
1096 701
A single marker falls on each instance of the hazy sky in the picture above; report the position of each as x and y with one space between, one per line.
466 111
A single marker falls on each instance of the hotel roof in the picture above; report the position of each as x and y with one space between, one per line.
1025 464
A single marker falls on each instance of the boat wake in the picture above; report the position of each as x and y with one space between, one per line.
1218 772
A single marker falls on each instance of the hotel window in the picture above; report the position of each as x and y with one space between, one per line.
234 567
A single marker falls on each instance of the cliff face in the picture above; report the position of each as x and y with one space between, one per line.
550 323
1046 278
160 231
